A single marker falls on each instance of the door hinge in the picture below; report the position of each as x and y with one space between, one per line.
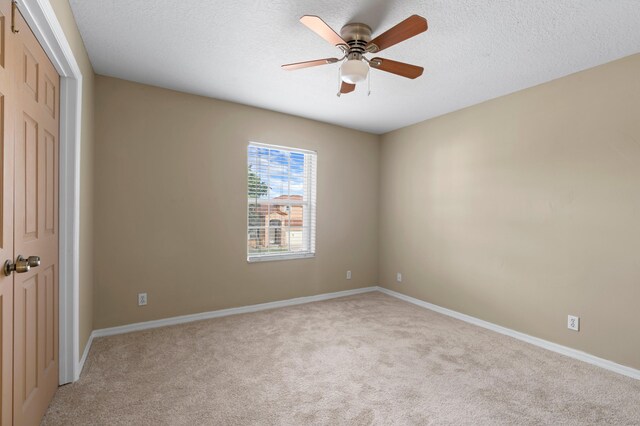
14 8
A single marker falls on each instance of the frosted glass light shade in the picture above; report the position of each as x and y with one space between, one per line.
354 71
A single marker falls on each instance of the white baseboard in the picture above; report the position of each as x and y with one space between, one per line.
226 312
564 350
87 347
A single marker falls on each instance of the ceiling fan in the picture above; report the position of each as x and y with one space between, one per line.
355 41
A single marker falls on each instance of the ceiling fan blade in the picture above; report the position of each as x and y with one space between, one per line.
347 87
321 28
307 64
412 26
394 67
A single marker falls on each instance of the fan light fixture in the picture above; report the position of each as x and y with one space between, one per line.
354 71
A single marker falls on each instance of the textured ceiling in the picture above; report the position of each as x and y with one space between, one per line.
474 50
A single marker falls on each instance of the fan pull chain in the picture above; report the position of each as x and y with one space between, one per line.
339 81
369 83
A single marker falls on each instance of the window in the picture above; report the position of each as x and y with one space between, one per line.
281 209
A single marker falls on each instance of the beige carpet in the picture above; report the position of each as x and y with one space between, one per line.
366 359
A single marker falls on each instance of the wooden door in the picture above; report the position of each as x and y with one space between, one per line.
35 356
6 212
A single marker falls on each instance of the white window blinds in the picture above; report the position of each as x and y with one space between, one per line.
281 208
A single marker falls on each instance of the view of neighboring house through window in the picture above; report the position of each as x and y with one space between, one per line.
281 213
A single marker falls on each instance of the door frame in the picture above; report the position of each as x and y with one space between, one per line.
42 19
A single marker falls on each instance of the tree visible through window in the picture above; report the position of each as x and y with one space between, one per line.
281 202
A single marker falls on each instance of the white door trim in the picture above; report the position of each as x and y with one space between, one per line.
43 22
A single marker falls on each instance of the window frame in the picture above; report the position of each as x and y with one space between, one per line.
309 213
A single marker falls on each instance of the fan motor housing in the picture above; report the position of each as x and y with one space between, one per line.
357 35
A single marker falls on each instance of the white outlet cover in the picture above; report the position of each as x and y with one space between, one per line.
348 275
142 299
573 323
399 277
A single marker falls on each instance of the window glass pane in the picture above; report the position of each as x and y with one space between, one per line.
296 239
297 174
278 174
258 172
256 240
255 214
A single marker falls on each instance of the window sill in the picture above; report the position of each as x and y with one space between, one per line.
272 257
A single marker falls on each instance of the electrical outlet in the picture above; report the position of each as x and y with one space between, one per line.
142 299
399 277
348 275
573 323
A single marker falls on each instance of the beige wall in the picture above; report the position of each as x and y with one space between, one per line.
67 21
525 209
170 216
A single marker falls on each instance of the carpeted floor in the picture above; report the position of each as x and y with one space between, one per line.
366 359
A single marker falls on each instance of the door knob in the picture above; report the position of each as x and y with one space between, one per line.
22 265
